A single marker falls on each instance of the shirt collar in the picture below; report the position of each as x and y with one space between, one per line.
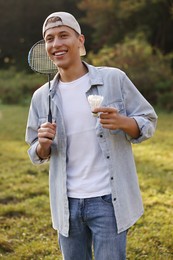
94 76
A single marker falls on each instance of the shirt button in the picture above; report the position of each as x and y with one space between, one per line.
108 157
101 136
112 178
115 199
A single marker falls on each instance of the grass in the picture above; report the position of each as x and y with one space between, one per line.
153 233
25 222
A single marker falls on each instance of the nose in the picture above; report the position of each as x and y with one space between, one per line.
57 42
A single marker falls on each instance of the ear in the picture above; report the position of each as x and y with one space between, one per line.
81 40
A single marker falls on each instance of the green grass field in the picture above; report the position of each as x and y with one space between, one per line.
25 222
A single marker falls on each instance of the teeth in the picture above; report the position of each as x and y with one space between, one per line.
59 53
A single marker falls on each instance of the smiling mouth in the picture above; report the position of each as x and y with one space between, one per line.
59 53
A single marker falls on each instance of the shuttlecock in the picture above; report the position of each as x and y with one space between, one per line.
95 101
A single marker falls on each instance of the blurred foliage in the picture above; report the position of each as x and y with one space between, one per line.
103 22
21 26
148 68
134 35
114 20
17 87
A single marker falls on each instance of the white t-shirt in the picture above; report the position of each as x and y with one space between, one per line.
87 171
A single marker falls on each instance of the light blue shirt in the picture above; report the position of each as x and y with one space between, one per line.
118 92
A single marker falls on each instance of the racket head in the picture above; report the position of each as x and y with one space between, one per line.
39 60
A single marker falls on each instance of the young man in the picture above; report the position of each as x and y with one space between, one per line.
94 191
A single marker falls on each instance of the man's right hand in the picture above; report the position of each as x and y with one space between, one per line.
46 134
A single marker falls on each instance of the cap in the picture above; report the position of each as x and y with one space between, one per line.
65 19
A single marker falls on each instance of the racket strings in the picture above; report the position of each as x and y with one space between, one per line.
39 60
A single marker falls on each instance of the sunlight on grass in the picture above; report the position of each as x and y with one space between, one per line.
26 230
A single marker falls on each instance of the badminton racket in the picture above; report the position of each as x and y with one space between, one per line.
39 62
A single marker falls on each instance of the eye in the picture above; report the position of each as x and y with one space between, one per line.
64 35
49 39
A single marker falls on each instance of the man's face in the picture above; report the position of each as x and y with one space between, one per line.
62 46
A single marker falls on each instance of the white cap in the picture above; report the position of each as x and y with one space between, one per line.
66 19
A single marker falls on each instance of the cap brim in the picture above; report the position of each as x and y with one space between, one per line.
82 51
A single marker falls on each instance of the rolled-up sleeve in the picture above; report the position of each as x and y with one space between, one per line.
140 109
147 128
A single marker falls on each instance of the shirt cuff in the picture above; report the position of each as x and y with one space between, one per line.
35 159
146 130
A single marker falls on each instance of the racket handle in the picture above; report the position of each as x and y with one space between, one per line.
50 113
50 117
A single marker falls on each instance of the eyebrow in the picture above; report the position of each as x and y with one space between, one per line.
61 32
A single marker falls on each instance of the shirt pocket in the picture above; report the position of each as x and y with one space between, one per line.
118 105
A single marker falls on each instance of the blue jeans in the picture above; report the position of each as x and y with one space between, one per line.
93 225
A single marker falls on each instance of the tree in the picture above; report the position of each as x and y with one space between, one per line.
113 20
103 23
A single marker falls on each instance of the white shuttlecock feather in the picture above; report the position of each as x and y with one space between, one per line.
95 101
